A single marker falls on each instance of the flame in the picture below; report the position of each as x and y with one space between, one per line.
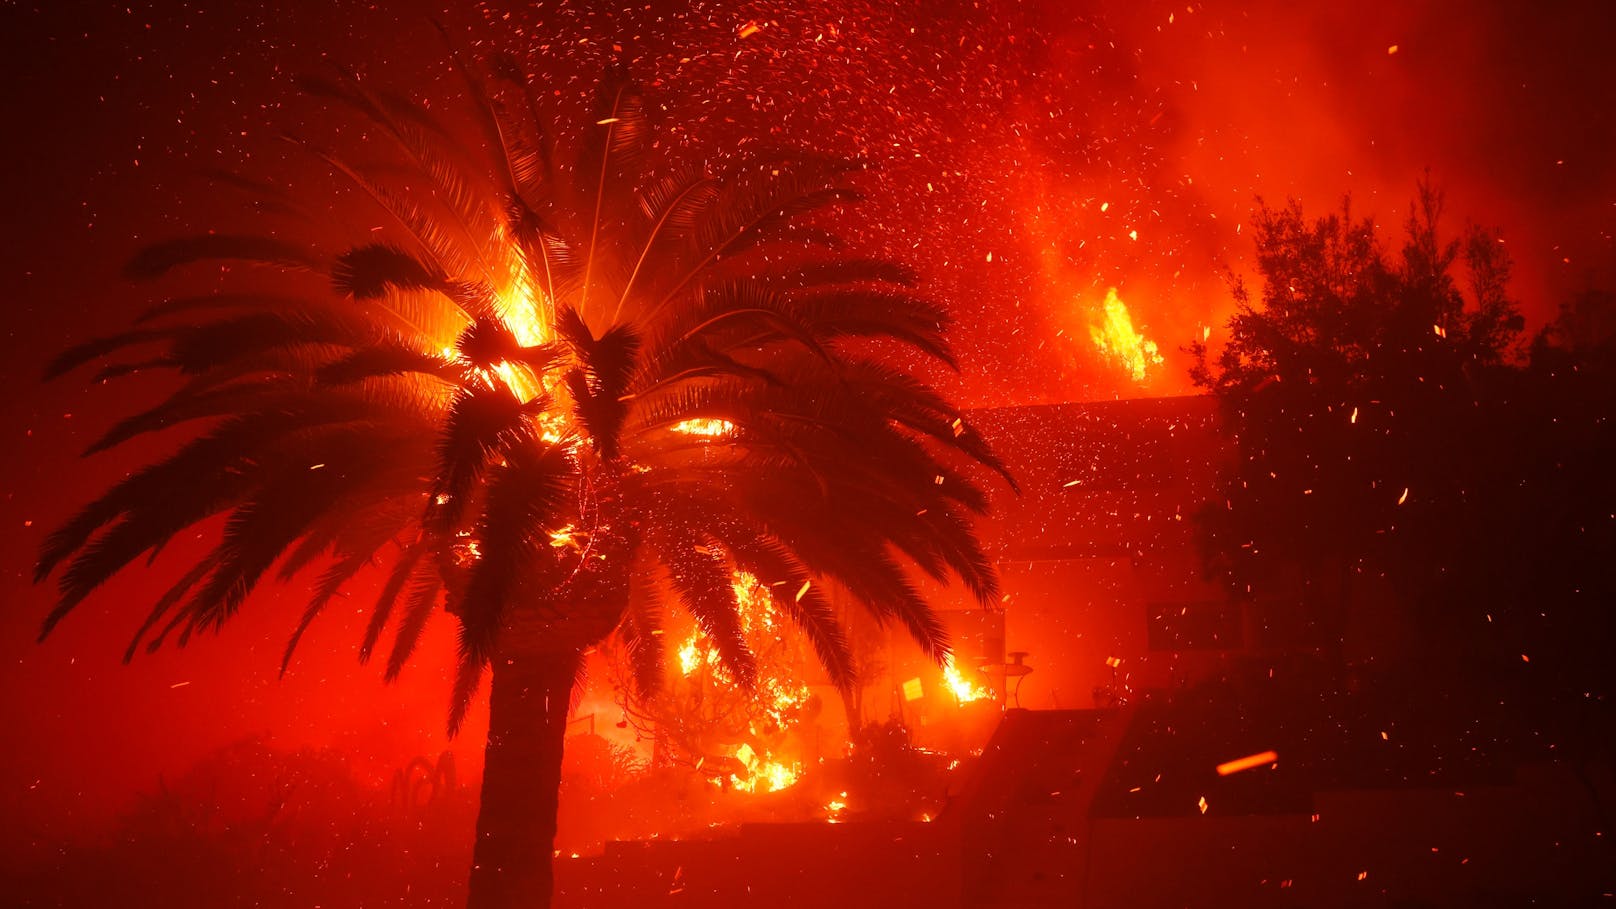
1116 338
689 656
705 427
965 691
763 774
778 700
835 807
756 609
766 775
525 308
567 538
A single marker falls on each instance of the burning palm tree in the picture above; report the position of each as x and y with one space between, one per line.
554 382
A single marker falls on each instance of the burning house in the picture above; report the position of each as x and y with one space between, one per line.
1116 711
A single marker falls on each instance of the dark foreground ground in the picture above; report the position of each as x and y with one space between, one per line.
1371 803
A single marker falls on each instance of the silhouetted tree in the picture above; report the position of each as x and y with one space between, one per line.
1559 526
1356 392
1391 439
547 379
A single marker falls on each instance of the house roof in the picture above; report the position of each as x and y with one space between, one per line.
1104 478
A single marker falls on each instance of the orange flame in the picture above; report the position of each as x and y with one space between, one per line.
779 698
704 427
965 691
1116 338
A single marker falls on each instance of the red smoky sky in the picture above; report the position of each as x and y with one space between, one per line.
1025 156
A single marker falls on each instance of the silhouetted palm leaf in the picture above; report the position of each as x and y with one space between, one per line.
706 589
518 361
157 260
366 272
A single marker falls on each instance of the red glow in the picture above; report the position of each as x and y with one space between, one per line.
1077 185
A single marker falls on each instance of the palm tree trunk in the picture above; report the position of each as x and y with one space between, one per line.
516 823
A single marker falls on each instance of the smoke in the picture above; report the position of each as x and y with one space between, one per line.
1031 156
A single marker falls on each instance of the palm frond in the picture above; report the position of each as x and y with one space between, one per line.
483 423
607 163
260 530
219 301
532 159
792 587
160 258
386 359
702 582
487 343
186 406
142 530
487 119
600 383
415 220
843 270
330 584
672 207
166 602
468 678
369 271
406 566
641 635
78 355
732 315
913 320
418 608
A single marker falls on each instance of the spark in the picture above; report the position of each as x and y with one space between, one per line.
1247 762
